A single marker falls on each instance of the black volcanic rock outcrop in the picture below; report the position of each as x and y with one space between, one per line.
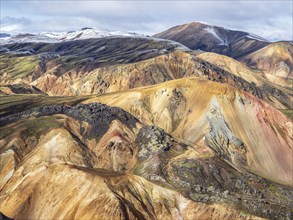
98 115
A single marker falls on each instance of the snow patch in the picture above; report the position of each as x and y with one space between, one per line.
178 46
215 33
256 37
84 33
54 37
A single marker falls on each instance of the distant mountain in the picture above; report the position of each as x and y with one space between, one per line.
87 33
275 60
53 37
216 39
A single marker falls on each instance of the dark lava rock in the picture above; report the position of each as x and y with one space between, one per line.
3 217
212 180
98 115
152 139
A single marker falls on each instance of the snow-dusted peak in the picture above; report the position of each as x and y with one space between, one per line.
223 38
86 33
53 37
256 37
26 38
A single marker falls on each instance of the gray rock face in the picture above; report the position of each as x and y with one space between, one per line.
152 140
222 140
177 105
155 149
211 179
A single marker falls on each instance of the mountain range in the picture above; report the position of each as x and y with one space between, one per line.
53 37
194 122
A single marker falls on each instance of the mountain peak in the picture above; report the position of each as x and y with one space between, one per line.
53 37
211 38
200 23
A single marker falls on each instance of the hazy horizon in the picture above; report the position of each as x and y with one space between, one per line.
269 19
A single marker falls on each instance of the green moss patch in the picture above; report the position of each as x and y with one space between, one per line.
18 67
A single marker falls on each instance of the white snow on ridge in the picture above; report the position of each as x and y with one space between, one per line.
54 37
27 39
256 37
214 32
177 45
84 33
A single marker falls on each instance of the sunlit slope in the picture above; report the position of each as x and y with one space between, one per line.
126 63
250 133
275 60
94 161
233 66
257 76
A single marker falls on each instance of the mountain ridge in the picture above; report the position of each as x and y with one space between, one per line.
206 37
54 37
138 127
126 159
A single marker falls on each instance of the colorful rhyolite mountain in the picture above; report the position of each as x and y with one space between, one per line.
105 125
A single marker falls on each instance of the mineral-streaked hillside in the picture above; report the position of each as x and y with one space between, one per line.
122 67
275 60
134 127
25 63
211 38
19 89
124 168
231 122
253 74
